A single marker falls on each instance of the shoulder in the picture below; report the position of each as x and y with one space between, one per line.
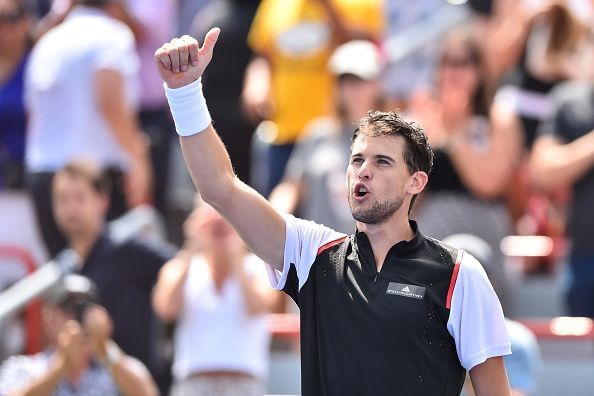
446 252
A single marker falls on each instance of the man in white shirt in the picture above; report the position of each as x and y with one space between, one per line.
81 92
383 311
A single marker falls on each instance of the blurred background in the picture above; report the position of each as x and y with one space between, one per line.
90 164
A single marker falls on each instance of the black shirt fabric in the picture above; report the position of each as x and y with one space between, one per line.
444 176
125 274
362 335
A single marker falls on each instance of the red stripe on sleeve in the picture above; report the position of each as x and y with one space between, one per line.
330 244
452 284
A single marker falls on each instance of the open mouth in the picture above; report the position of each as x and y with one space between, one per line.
360 190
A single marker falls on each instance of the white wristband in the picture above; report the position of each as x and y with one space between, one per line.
188 108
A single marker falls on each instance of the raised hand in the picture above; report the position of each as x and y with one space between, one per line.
181 61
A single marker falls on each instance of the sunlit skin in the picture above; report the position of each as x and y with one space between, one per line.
377 165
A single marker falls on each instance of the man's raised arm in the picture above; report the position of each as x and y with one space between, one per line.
181 63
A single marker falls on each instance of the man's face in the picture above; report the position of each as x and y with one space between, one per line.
377 178
78 208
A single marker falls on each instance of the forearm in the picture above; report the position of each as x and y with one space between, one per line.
257 298
555 164
118 113
506 37
46 384
490 379
487 170
168 292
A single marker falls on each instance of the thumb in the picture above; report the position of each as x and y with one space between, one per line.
209 42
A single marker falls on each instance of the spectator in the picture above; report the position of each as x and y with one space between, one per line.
477 148
218 293
313 184
81 91
14 54
81 358
288 83
563 157
124 272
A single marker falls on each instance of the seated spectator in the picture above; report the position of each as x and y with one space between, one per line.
313 184
81 358
125 272
218 292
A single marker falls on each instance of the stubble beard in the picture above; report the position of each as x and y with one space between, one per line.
378 213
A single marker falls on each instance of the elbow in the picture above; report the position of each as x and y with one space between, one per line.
220 192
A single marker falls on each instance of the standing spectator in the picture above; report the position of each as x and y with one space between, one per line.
563 156
124 272
313 185
287 83
14 53
218 293
477 148
81 91
81 358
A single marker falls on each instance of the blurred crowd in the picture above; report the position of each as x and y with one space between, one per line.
505 94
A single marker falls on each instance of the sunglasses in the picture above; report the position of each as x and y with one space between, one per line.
11 17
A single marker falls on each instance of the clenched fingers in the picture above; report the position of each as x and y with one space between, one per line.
193 48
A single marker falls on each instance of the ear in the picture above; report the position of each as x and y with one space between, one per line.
417 183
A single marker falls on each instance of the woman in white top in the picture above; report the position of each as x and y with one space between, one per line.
218 293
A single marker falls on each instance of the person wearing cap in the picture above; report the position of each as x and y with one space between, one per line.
313 184
81 358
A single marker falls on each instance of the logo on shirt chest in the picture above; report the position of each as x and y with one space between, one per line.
404 290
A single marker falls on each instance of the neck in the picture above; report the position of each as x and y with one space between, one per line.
84 242
10 58
385 235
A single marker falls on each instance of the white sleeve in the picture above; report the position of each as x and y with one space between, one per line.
302 242
476 319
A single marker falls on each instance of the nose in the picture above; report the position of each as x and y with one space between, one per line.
364 171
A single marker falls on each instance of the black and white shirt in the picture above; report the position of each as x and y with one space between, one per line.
413 328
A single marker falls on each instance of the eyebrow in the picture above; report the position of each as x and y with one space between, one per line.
378 156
